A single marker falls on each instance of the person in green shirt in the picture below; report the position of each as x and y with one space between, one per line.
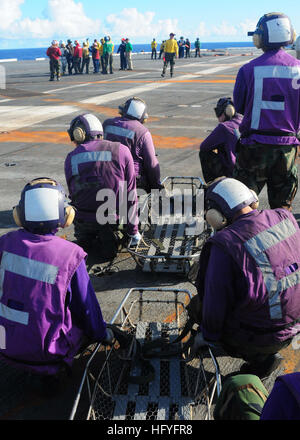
128 54
197 48
108 49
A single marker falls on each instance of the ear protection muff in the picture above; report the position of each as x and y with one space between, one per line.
257 40
79 134
16 216
69 216
216 219
254 205
76 133
229 111
225 106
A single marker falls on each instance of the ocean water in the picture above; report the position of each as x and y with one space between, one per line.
40 52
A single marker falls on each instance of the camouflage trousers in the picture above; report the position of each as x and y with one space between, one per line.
212 166
54 68
273 165
109 239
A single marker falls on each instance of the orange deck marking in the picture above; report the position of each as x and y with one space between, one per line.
51 137
291 362
61 137
176 142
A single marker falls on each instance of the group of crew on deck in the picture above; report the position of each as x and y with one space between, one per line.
75 58
248 283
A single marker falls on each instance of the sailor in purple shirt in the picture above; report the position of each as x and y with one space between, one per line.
129 129
267 94
218 150
249 278
101 182
48 307
283 402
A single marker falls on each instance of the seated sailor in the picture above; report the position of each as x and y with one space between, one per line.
129 129
218 151
101 182
248 282
48 307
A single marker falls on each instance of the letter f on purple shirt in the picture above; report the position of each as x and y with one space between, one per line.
270 72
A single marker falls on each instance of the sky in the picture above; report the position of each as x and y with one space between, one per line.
35 23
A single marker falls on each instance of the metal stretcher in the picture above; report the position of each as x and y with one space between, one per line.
172 238
158 386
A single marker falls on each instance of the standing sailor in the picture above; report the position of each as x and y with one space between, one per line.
54 54
267 94
170 52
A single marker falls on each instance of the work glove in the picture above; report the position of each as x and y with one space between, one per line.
134 239
192 348
109 340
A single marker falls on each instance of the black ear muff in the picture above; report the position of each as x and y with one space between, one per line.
69 217
16 216
215 219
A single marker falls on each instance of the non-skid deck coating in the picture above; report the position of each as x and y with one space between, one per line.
35 115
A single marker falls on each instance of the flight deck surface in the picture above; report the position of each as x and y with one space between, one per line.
35 115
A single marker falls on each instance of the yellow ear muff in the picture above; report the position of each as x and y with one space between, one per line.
230 111
215 219
43 180
16 216
79 134
254 205
69 217
257 41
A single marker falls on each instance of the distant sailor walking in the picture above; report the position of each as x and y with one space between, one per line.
170 52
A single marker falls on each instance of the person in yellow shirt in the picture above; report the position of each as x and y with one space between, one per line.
153 47
101 55
161 49
170 53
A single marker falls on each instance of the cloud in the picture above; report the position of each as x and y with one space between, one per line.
132 23
62 18
10 13
247 25
225 29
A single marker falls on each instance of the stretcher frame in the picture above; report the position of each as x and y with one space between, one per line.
180 390
167 245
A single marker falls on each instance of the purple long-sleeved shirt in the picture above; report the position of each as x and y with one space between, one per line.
283 402
84 306
102 165
221 292
138 139
267 93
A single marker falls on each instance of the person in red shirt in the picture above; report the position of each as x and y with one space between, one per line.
77 57
54 54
